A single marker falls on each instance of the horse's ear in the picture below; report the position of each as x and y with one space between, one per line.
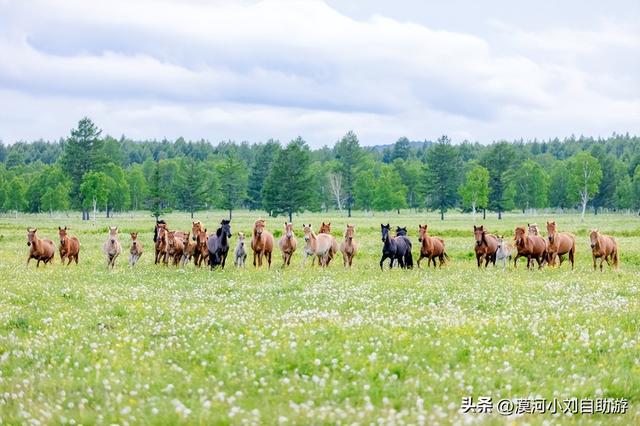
59 229
475 227
65 228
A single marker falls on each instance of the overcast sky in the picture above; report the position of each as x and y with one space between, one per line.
254 70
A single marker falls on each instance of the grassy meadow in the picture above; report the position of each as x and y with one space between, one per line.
166 345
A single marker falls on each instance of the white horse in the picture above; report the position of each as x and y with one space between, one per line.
504 252
317 245
112 247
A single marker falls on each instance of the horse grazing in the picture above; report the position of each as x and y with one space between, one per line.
41 250
218 244
159 239
69 246
240 253
396 248
348 247
317 245
531 247
504 252
605 248
325 228
135 251
112 247
560 243
175 247
287 244
486 246
431 248
262 243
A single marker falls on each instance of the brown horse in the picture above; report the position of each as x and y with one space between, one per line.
262 243
531 247
325 228
317 246
112 247
348 247
605 248
69 246
486 246
202 251
288 244
190 248
135 251
196 228
159 238
175 246
560 243
41 250
432 248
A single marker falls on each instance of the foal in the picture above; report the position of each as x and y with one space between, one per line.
504 252
348 247
240 254
605 248
135 251
112 247
288 244
69 246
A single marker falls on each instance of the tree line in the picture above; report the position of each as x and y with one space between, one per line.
92 173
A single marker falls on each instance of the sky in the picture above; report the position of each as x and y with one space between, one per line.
254 70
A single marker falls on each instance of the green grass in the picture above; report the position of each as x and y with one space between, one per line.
158 345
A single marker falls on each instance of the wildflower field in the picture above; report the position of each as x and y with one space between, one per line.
165 345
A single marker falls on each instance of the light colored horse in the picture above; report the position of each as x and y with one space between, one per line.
529 246
240 254
325 228
532 229
349 247
503 254
287 244
112 247
262 243
431 248
560 243
605 248
317 245
42 250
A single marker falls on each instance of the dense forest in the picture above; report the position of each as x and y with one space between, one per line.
92 172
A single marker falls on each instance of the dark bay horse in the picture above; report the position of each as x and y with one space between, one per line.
486 246
603 247
218 244
69 246
396 248
533 247
560 243
431 248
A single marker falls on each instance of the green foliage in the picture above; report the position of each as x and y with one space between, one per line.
348 154
56 198
389 191
96 189
584 174
412 175
442 175
499 158
530 185
232 183
558 186
15 195
264 157
475 190
138 188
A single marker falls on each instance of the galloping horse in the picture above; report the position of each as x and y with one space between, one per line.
175 247
531 247
287 244
190 248
560 243
504 252
316 245
112 247
431 248
196 228
159 239
218 244
69 246
202 252
348 247
395 248
39 249
261 243
136 249
325 228
603 247
486 246
240 254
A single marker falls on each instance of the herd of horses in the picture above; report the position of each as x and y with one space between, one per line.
179 248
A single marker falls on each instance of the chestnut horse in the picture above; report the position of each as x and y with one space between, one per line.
175 246
605 248
529 246
348 247
135 251
196 228
261 243
159 239
112 247
202 251
69 246
287 244
317 245
432 247
39 249
486 246
560 243
190 248
325 228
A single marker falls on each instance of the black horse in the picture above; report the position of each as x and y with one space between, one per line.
396 248
218 244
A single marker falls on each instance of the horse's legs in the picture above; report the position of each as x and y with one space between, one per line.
515 261
593 258
381 261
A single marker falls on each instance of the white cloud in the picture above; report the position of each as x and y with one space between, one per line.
282 68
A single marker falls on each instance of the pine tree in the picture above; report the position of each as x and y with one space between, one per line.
232 183
348 154
264 158
442 175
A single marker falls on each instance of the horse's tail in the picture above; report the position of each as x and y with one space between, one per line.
615 257
446 256
408 260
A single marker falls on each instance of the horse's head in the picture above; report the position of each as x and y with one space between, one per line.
288 229
201 239
31 235
401 231
500 241
258 227
350 232
325 228
113 234
225 227
308 232
185 238
478 233
532 228
241 239
385 229
551 230
196 226
422 232
134 238
520 235
62 232
593 237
